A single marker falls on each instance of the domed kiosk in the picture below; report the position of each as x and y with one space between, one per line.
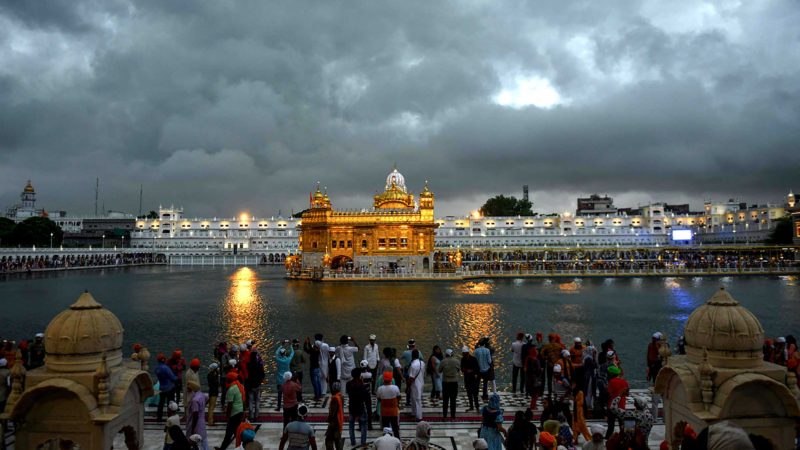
723 376
85 394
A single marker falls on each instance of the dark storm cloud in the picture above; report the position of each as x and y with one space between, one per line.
226 106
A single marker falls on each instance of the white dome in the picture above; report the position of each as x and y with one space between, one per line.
397 179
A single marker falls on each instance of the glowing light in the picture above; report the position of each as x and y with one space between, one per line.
243 217
243 311
474 288
529 91
475 214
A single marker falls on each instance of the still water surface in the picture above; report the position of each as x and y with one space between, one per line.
191 308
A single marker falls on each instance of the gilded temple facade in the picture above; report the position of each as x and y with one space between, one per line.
396 234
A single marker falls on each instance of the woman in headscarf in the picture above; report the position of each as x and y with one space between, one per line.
492 423
422 437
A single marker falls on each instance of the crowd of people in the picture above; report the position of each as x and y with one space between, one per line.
572 382
29 263
622 259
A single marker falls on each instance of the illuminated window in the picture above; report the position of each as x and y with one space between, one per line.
393 242
403 243
333 244
363 244
381 242
349 244
341 244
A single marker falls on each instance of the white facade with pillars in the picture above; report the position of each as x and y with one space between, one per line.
175 234
724 222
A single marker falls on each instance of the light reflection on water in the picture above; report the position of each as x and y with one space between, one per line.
571 287
474 288
472 321
244 312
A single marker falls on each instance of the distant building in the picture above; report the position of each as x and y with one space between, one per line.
273 238
26 208
793 207
595 205
112 230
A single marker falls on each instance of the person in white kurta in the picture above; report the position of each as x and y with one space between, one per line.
416 377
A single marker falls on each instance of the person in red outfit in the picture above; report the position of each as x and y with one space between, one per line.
617 387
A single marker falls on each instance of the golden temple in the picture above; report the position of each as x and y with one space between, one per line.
395 235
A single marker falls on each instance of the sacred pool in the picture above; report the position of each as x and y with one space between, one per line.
192 308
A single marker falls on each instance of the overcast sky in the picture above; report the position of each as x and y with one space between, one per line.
224 107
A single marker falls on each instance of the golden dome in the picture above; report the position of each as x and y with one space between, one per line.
730 332
76 339
425 191
28 188
394 198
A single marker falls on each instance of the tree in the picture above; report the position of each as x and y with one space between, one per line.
500 205
36 231
782 233
6 227
150 215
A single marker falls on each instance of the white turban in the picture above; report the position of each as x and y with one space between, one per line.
287 376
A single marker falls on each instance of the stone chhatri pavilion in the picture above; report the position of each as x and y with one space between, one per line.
85 394
724 377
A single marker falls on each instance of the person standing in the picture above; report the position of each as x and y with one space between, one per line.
296 365
255 377
449 369
213 391
359 405
432 369
196 412
416 381
516 364
470 369
178 364
405 360
333 435
617 387
492 423
346 354
282 359
389 397
298 434
484 357
561 393
312 350
291 391
533 375
173 420
550 353
193 374
653 357
372 356
234 398
324 359
166 382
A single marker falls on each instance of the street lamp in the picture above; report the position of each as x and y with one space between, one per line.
51 240
104 241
